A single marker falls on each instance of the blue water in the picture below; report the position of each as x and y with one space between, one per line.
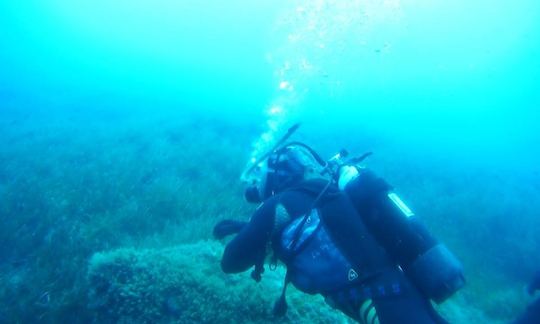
445 92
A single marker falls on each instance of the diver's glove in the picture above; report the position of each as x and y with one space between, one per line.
227 227
534 285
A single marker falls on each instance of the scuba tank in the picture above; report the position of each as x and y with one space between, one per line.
432 268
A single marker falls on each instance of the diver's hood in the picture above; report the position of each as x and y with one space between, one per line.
277 169
278 172
285 165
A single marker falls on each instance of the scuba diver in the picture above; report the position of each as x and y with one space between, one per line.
343 233
532 313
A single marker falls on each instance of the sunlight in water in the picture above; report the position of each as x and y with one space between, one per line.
311 35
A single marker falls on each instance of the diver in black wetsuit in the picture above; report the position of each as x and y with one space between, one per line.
330 233
532 313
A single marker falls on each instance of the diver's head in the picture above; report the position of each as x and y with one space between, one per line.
283 169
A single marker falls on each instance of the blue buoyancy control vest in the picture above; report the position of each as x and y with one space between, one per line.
314 263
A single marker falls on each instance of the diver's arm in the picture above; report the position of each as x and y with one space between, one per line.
228 227
249 246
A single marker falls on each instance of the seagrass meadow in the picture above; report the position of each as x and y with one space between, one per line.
125 127
110 220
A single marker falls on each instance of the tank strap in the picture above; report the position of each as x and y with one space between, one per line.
358 294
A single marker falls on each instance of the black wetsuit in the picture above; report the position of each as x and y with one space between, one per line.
379 280
532 313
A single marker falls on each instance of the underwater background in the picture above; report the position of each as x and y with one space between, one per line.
125 126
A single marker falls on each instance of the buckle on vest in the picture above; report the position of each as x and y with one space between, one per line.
352 275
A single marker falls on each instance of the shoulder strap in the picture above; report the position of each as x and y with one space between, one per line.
280 306
298 230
